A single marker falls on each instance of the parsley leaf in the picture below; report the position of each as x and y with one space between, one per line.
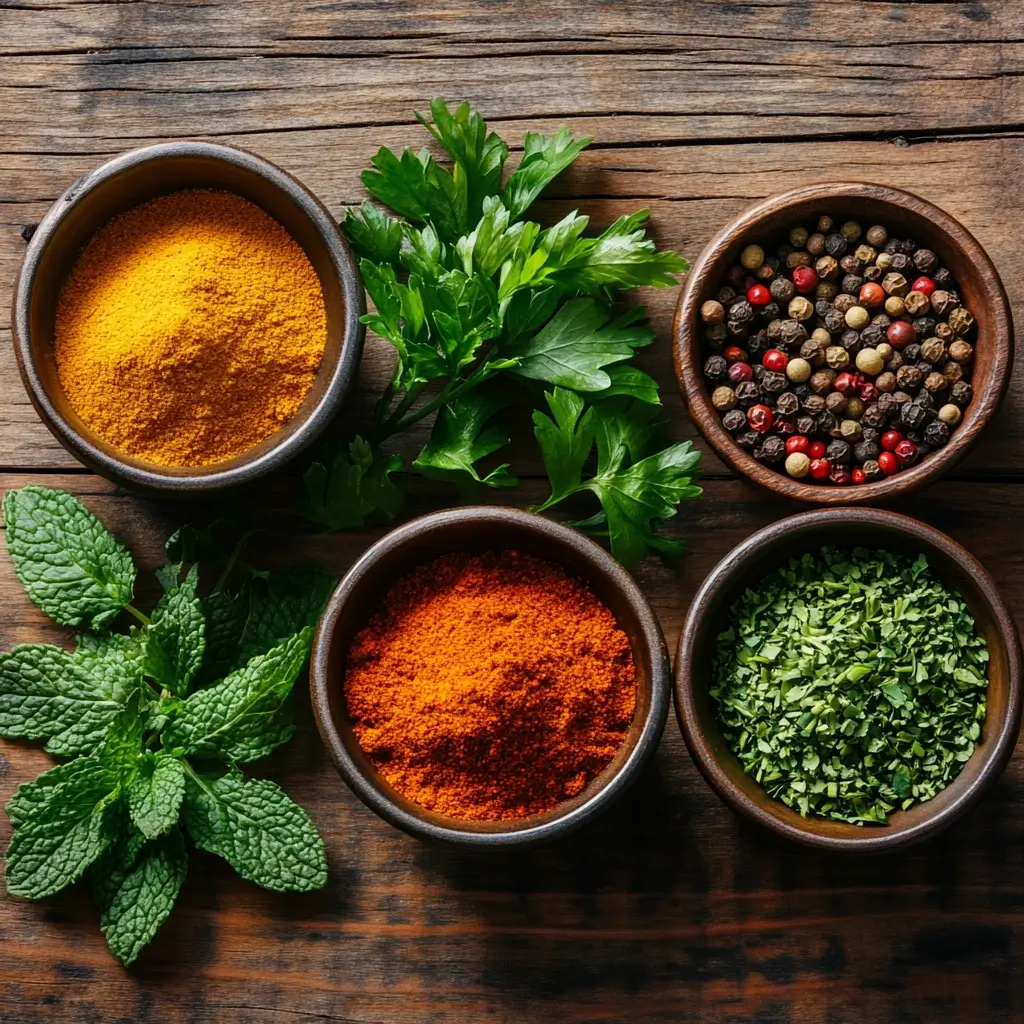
257 829
544 158
68 563
373 234
565 440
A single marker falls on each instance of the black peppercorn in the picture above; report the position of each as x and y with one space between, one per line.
758 343
826 423
960 393
834 321
801 390
748 394
912 415
924 326
873 273
772 451
733 420
894 362
715 369
851 283
773 383
943 279
872 335
771 311
716 336
748 440
871 435
881 321
936 434
735 329
900 262
852 342
873 416
805 425
838 451
911 353
925 400
814 404
726 295
836 246
822 307
894 245
925 261
863 451
792 332
759 372
787 403
909 377
782 290
886 404
741 312
850 264
901 398
917 436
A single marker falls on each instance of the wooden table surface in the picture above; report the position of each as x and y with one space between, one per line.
668 909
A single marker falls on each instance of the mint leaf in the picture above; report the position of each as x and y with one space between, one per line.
572 349
565 441
64 825
109 869
155 793
225 615
68 563
353 488
176 639
460 438
622 257
239 718
373 234
141 898
479 155
70 700
544 158
257 829
31 799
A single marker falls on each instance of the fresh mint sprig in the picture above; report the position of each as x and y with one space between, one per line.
470 294
156 721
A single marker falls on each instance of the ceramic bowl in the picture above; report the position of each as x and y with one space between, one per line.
744 567
903 213
478 529
123 183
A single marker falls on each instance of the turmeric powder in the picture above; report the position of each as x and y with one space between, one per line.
190 329
490 686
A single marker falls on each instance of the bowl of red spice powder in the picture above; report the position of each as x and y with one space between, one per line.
488 677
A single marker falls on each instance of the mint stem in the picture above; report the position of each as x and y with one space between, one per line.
132 610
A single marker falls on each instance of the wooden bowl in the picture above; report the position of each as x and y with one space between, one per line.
123 183
476 529
902 212
744 567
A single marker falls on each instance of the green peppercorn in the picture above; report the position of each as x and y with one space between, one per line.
723 398
801 308
872 470
816 244
883 261
837 357
864 254
854 407
752 257
824 224
826 291
850 430
799 259
961 320
851 231
917 303
798 237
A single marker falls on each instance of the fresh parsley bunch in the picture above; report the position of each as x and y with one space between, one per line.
154 721
470 293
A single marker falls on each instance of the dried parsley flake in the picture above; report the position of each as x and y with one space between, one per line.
851 683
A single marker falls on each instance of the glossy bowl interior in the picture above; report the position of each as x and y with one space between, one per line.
123 183
480 529
744 567
902 213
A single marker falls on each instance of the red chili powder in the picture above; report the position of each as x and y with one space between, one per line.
490 686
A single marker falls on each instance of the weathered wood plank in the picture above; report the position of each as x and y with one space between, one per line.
666 910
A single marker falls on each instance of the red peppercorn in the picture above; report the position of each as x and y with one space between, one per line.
906 452
868 392
760 418
797 443
785 427
739 372
820 469
758 295
888 463
900 333
923 284
890 439
734 354
845 383
872 294
775 360
859 476
839 474
805 279
817 449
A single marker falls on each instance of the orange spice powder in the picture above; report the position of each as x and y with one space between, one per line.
490 686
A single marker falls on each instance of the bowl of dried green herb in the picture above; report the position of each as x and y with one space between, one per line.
849 678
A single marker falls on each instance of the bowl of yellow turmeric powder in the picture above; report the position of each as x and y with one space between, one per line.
187 318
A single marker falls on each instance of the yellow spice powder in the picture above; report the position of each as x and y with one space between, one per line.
190 329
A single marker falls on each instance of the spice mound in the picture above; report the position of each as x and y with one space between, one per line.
190 329
490 686
843 358
851 684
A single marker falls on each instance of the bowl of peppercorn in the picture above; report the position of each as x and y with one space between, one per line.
843 343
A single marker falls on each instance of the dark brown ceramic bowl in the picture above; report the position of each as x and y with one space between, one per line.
901 212
123 183
743 567
478 529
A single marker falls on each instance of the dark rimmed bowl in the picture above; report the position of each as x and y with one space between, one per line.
743 567
477 529
123 183
899 211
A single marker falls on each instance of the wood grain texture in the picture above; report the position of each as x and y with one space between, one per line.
668 909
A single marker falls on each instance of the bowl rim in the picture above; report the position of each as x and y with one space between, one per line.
687 357
731 568
651 637
172 480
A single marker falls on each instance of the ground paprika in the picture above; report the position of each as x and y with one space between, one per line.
490 686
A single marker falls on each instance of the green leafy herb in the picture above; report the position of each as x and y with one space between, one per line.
126 708
851 684
466 290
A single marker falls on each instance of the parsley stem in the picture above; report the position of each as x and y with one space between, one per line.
132 610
